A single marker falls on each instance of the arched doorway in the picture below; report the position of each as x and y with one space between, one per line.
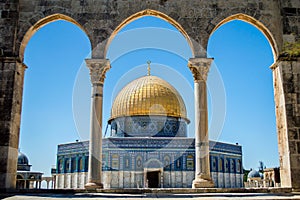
153 173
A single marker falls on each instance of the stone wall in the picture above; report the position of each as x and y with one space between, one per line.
71 180
290 13
289 133
131 179
100 18
227 180
125 179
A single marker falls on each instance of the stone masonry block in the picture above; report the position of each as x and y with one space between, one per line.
293 134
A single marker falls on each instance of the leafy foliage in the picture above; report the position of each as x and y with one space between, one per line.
290 51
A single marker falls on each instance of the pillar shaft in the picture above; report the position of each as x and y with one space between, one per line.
286 96
98 68
201 140
200 68
11 92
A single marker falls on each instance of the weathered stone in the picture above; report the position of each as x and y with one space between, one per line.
293 149
293 134
298 147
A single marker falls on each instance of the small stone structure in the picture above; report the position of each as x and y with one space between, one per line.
254 179
272 177
27 179
268 179
196 20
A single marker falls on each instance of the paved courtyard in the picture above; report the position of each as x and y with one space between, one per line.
100 196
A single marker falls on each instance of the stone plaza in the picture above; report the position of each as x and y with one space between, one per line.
101 20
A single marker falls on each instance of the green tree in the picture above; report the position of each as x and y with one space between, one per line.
246 172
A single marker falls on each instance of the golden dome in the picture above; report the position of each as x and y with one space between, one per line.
148 95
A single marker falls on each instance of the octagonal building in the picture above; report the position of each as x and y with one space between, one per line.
148 145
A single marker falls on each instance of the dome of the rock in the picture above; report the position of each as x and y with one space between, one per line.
148 95
147 106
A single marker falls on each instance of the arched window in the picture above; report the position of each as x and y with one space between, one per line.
127 163
60 166
80 164
221 165
73 165
104 162
167 163
178 163
190 162
67 165
232 166
115 161
226 165
86 163
139 162
239 166
214 164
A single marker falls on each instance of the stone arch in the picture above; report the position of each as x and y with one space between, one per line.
60 165
20 176
43 22
279 93
148 12
259 25
153 163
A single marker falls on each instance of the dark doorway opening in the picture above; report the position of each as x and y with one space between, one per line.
153 179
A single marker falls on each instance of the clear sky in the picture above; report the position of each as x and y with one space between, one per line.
56 103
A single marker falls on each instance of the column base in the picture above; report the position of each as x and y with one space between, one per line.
201 182
91 186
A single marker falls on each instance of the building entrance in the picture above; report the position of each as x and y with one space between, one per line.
153 179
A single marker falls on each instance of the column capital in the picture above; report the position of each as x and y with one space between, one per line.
98 69
200 68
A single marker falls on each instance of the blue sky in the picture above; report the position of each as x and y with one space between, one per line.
57 90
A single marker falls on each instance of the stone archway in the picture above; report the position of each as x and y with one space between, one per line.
18 70
43 22
197 18
279 97
199 68
154 13
260 26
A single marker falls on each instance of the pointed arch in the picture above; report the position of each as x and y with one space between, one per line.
39 24
149 12
260 26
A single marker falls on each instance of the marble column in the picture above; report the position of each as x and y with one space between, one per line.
98 69
200 67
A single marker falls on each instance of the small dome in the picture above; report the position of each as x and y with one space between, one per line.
146 96
23 162
254 174
22 159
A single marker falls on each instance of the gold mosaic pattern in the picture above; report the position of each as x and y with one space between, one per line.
148 95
